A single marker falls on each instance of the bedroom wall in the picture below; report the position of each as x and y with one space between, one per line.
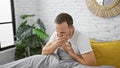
105 29
7 56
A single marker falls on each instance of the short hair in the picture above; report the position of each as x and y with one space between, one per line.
64 17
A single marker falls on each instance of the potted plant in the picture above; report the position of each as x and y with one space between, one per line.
30 38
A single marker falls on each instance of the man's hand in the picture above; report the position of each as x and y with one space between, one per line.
61 40
67 48
49 48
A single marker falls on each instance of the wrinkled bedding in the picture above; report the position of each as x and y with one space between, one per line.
60 59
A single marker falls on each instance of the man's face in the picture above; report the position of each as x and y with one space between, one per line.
62 29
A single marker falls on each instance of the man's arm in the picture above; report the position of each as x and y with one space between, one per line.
49 48
87 58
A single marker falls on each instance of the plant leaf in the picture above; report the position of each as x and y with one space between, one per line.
24 16
40 33
41 25
24 32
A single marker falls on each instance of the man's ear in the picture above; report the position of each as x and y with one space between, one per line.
72 27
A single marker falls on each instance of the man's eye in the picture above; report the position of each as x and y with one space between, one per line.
62 32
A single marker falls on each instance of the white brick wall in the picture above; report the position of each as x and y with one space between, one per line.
105 29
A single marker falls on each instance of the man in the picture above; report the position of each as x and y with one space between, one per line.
65 32
67 48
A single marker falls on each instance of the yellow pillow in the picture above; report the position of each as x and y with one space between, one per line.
107 53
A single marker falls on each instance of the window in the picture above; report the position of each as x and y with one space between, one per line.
7 24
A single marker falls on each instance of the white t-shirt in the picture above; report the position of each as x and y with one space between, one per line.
79 42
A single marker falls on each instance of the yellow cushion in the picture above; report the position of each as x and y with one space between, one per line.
107 53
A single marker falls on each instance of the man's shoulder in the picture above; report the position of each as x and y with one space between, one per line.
54 33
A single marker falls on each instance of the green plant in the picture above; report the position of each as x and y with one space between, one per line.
30 38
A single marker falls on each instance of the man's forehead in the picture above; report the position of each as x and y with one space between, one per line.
61 31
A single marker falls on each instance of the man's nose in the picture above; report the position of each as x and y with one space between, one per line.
59 35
